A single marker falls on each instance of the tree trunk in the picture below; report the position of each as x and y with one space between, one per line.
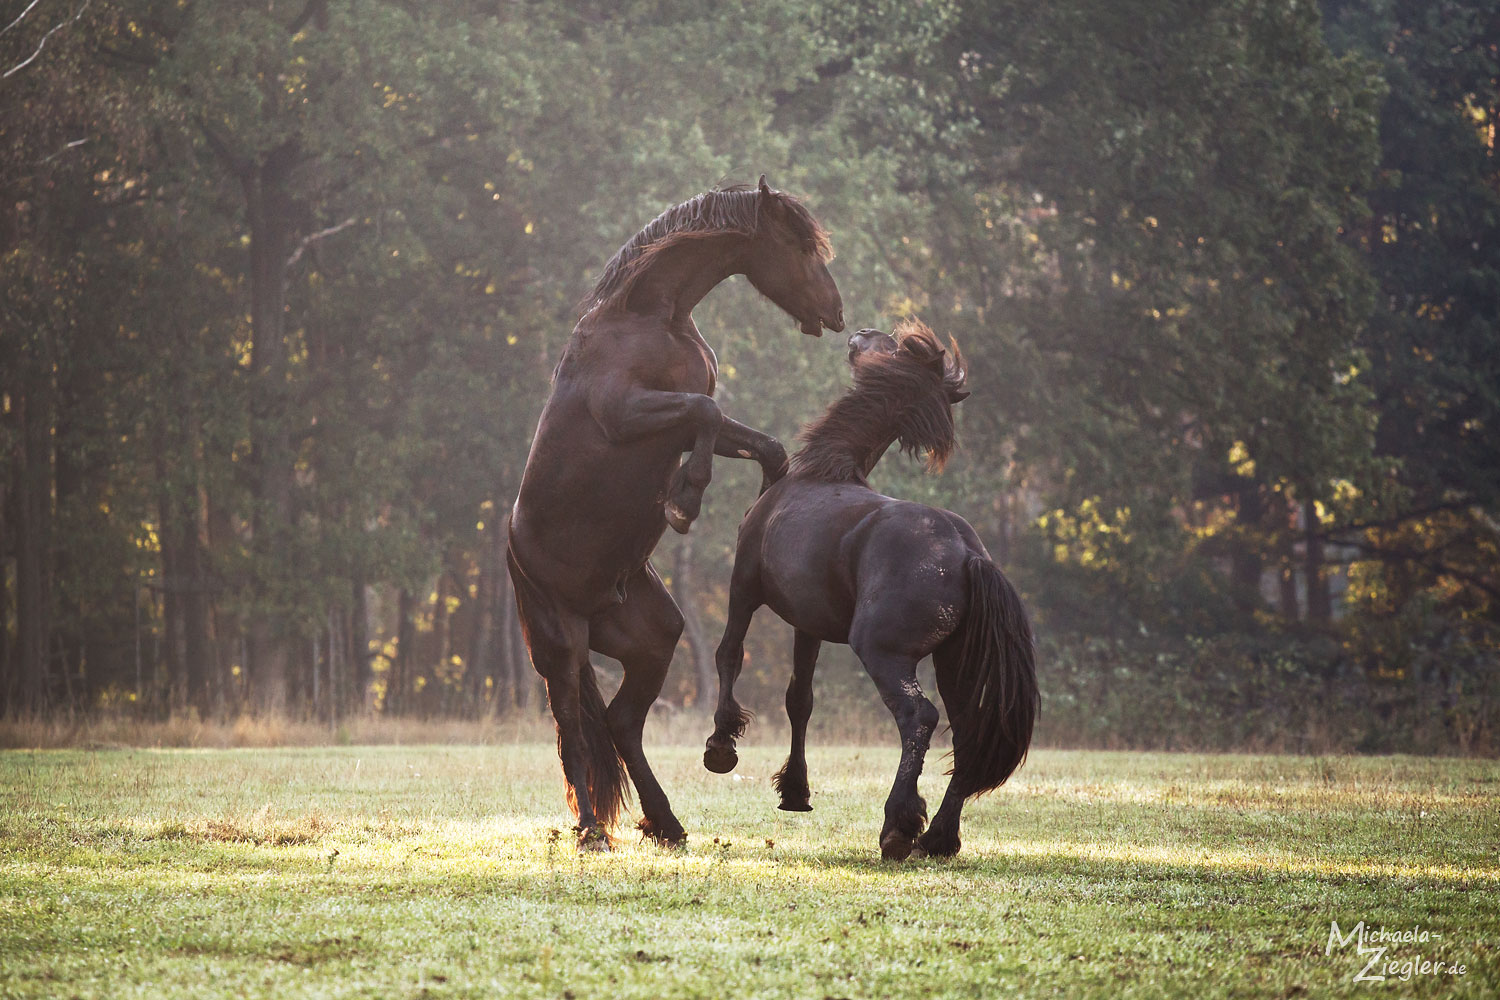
1289 608
269 212
435 691
7 656
398 684
1319 600
521 677
704 671
1246 560
33 545
359 647
171 592
507 689
480 665
195 639
1288 595
227 629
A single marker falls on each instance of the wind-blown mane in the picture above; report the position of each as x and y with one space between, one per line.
906 397
734 209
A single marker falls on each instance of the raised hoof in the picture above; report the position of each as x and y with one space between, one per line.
795 807
679 520
720 760
896 846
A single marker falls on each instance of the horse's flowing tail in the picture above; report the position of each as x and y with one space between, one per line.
607 785
990 662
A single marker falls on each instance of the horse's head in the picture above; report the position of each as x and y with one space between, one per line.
788 263
870 341
914 343
905 385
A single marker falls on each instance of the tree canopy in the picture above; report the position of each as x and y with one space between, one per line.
282 285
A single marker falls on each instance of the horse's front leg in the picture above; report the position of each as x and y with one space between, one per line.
730 719
629 414
736 440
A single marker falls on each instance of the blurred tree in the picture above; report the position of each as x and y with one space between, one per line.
283 285
1136 218
1424 522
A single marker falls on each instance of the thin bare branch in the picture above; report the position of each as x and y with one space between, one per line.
1334 532
312 238
72 145
43 43
20 17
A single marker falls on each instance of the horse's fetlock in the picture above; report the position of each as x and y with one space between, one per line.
731 721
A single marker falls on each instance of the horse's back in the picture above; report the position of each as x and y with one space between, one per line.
833 557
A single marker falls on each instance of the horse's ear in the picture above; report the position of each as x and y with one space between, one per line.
957 395
937 362
765 188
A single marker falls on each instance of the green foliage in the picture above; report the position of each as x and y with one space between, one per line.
288 311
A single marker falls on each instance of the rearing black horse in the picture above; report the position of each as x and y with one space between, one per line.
633 392
895 580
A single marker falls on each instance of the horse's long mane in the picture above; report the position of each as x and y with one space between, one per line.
907 397
734 209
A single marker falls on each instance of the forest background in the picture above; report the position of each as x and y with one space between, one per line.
282 286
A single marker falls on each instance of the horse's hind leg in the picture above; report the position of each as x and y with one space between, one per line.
730 719
642 634
558 644
941 839
791 780
894 670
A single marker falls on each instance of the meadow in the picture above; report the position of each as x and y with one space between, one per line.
449 871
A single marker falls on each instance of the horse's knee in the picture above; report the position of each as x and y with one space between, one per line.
927 716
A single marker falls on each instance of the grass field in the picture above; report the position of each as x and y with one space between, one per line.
448 872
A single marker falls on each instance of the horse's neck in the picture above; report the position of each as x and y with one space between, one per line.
873 459
828 457
680 276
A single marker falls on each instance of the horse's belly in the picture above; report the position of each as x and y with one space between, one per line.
817 618
589 520
803 578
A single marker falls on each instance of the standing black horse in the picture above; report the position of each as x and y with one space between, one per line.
895 580
633 392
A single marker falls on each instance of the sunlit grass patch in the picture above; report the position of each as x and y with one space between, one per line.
451 871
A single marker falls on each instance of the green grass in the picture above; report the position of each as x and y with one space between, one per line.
436 872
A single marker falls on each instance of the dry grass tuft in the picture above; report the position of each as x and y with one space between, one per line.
187 730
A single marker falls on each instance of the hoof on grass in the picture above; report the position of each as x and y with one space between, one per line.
939 846
896 846
795 807
665 835
594 838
